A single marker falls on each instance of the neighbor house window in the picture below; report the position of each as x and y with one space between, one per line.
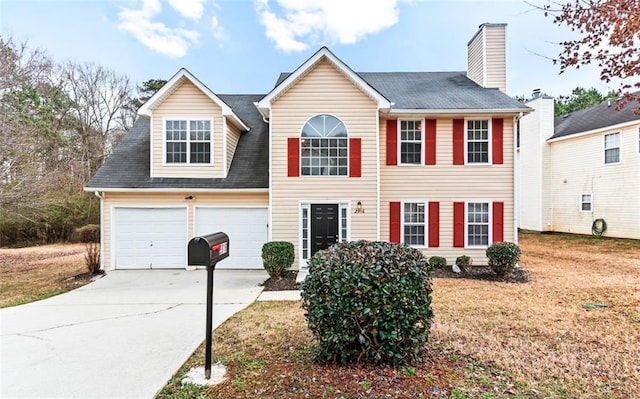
324 145
188 141
586 202
411 142
478 141
477 224
414 222
612 148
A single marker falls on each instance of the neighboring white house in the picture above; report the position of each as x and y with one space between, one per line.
578 168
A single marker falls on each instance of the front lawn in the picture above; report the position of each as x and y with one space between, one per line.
540 339
30 274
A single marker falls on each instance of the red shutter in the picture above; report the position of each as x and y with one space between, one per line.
458 224
392 142
458 141
355 157
394 222
293 157
496 140
498 221
430 141
434 224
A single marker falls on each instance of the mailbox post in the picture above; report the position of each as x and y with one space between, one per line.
207 251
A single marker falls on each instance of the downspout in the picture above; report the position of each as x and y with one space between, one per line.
516 181
101 196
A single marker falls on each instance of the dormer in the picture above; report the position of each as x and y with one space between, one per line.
193 132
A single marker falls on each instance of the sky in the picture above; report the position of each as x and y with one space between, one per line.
241 46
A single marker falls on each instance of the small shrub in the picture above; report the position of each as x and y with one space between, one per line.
86 233
503 257
464 262
437 262
368 302
92 257
277 257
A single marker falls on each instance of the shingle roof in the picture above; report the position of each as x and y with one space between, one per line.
128 165
597 117
435 90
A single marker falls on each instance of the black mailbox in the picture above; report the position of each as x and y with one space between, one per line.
208 249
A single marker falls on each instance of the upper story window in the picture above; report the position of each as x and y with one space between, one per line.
411 142
324 145
612 148
188 141
477 141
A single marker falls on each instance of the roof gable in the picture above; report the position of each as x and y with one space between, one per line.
176 81
323 54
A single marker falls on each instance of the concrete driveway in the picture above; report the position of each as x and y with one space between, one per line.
122 336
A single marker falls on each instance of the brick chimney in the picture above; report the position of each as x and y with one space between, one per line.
486 56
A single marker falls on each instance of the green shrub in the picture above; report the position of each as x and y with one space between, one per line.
277 257
503 257
86 233
437 262
368 302
464 262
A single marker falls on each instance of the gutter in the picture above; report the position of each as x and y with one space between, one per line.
176 190
101 196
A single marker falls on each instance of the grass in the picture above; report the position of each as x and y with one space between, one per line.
489 339
34 273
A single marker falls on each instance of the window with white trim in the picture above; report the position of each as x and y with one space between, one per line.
586 202
305 232
324 144
411 142
414 224
477 141
477 224
612 148
188 141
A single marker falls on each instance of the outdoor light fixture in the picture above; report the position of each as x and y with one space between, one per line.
359 208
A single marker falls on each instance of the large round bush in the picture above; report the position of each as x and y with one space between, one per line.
369 302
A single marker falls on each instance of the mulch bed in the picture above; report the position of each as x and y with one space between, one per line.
285 283
519 276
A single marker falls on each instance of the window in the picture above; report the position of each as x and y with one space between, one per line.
324 147
414 222
188 141
586 202
477 224
305 232
411 142
478 141
612 148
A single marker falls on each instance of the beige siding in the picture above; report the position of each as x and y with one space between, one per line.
495 63
323 90
187 101
578 168
475 59
150 200
233 135
447 183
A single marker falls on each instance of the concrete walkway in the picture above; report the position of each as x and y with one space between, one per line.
122 336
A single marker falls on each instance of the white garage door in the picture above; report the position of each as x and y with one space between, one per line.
247 231
150 238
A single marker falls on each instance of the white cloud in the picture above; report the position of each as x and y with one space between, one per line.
305 22
172 42
217 30
191 9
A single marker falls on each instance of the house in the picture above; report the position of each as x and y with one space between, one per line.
580 169
422 158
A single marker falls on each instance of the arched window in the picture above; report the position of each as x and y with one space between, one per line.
324 146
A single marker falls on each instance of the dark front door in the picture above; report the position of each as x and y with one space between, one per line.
324 226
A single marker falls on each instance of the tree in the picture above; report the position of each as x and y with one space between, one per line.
580 98
146 91
100 101
609 33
